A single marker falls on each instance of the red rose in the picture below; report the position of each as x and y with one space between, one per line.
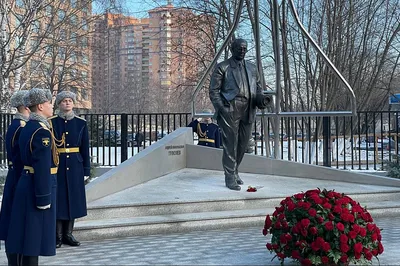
356 228
320 219
291 206
374 237
285 224
316 199
265 231
295 254
340 226
344 247
315 246
327 206
352 234
324 260
326 246
380 248
344 258
313 191
306 262
337 209
280 255
275 246
305 222
343 238
303 232
299 196
363 232
358 247
288 237
368 255
313 230
269 246
282 239
278 225
374 252
350 218
306 205
329 226
312 212
370 227
268 222
357 255
331 216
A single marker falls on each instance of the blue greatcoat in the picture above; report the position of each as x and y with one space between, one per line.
73 145
32 231
14 172
209 134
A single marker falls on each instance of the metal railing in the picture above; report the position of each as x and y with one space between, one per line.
365 141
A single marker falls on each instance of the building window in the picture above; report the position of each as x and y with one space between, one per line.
84 94
74 20
74 3
19 3
61 15
85 59
84 24
84 75
84 42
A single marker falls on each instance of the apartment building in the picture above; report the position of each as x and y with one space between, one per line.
139 64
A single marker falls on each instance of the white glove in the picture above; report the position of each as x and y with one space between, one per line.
44 207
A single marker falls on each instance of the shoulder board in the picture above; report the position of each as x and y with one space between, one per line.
22 123
80 118
44 125
54 116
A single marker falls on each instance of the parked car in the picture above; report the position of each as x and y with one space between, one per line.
111 137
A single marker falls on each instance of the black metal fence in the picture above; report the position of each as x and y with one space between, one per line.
366 141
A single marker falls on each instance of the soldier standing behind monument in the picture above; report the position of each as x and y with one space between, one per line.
72 140
235 91
207 131
15 165
32 226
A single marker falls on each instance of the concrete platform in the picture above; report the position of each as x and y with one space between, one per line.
196 199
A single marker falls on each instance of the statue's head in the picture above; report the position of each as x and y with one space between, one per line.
239 49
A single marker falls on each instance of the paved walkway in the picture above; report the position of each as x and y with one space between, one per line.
216 247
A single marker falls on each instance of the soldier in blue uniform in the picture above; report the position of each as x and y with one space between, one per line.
208 132
32 226
72 140
15 165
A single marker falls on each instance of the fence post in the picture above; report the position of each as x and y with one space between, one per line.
326 121
124 137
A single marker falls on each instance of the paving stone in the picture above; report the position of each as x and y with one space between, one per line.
244 246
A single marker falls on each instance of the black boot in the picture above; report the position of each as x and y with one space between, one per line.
230 182
68 238
12 259
59 233
239 181
30 260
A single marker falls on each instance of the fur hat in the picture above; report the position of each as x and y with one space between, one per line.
37 96
17 99
65 94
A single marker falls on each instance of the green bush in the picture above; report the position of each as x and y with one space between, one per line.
393 167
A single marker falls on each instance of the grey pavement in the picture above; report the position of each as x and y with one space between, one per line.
234 246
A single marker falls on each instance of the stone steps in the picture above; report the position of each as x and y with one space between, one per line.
116 221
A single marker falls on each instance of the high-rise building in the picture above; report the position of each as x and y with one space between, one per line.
139 64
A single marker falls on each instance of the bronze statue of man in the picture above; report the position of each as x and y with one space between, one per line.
235 91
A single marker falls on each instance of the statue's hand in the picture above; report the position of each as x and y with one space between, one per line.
263 101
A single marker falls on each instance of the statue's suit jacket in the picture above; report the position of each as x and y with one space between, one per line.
225 85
